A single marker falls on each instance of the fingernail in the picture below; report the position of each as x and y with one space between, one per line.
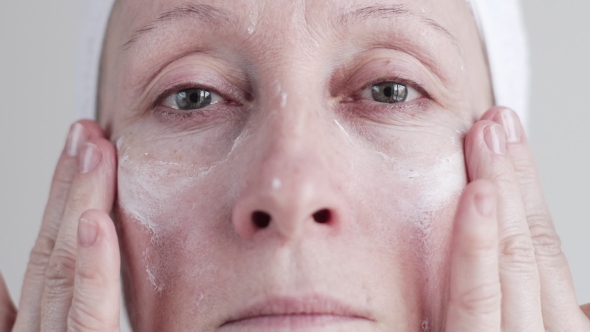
89 157
87 232
76 138
495 138
510 124
485 204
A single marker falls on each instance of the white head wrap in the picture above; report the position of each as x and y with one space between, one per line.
499 21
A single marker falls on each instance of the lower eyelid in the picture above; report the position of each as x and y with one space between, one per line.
195 118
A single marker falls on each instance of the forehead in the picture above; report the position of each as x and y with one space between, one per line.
137 17
261 27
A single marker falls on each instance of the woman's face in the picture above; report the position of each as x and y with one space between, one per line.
289 165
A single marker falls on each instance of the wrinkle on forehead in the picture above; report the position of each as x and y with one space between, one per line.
224 19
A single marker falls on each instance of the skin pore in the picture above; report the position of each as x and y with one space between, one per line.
295 132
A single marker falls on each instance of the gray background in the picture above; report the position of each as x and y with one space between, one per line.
38 64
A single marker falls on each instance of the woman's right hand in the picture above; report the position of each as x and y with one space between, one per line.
72 279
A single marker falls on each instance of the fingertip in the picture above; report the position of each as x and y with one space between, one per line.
97 172
93 128
485 147
475 222
492 112
509 120
474 139
93 224
98 246
109 153
96 231
484 197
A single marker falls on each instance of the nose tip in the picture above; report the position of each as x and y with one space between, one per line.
256 216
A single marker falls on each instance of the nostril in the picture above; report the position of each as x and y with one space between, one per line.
322 216
261 219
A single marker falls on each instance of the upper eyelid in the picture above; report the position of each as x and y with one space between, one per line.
381 64
193 75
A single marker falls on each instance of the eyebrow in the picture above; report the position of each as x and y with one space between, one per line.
222 18
212 15
388 11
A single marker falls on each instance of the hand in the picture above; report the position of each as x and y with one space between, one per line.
508 272
72 279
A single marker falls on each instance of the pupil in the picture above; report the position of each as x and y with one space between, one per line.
387 91
194 97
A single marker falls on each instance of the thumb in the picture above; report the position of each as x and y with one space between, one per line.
95 303
475 293
7 310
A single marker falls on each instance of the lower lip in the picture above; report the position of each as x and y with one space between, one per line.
302 322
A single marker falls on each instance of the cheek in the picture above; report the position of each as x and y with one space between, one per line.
415 187
168 184
176 195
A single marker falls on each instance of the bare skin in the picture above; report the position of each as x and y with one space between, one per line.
299 197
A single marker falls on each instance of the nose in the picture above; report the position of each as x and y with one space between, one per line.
294 186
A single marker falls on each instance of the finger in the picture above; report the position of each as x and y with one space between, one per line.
32 291
93 188
558 299
7 310
95 305
475 294
519 279
586 309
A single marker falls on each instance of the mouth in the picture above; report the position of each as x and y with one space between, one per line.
296 313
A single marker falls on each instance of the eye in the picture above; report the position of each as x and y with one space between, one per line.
391 93
192 99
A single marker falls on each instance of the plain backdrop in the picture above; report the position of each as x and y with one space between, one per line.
38 64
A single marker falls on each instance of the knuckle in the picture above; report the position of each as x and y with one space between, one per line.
518 249
60 271
502 179
92 274
63 175
525 170
83 317
484 299
79 198
41 254
546 241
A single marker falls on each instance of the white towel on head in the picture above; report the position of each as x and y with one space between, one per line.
500 23
502 29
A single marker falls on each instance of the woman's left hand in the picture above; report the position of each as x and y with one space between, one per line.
533 282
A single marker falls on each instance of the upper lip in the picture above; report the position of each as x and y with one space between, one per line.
309 305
